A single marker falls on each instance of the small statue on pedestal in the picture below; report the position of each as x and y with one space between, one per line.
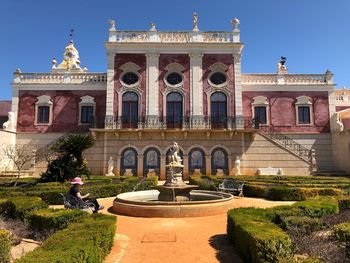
195 22
110 167
237 166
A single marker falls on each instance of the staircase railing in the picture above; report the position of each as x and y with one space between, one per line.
287 143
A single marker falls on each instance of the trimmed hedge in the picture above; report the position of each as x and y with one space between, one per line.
285 189
5 245
47 220
87 241
18 207
259 238
256 238
99 188
342 232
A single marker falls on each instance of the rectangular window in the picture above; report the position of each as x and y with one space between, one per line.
43 114
304 115
87 114
260 114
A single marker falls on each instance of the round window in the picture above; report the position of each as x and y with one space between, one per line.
130 78
218 78
174 78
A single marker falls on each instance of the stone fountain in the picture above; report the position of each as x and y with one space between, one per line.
175 189
174 198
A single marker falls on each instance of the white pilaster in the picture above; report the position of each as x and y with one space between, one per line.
152 87
238 85
196 85
110 85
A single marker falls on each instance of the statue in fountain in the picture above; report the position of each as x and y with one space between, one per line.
175 189
174 158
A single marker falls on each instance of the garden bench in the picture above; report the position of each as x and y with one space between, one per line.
232 186
72 202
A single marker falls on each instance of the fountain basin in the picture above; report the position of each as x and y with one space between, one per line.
146 204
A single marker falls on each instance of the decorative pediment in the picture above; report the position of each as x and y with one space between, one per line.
44 99
130 66
218 66
303 100
260 100
175 67
87 100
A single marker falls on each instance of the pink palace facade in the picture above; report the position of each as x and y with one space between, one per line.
182 86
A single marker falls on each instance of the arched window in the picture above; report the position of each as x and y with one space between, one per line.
151 160
303 107
219 161
197 160
129 161
130 110
174 110
218 102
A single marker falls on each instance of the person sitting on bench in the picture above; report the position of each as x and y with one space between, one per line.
75 191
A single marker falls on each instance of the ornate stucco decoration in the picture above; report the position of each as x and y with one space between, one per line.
174 68
70 62
221 68
130 67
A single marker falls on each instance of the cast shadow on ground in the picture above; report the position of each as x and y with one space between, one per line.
225 251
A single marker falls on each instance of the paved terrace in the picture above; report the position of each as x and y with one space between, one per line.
175 240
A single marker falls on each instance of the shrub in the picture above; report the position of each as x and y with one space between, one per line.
303 224
254 191
19 207
49 220
5 245
314 208
344 203
256 238
342 232
87 241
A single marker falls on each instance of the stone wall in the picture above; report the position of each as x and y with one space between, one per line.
341 150
6 138
254 150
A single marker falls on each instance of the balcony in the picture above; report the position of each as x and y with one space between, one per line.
184 123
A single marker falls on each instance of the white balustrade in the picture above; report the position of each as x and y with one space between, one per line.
74 78
171 37
296 79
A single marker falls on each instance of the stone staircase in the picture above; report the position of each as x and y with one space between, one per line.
288 144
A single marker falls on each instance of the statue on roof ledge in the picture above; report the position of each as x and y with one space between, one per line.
281 67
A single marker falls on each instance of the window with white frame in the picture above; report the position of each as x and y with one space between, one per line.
303 109
43 110
87 107
260 110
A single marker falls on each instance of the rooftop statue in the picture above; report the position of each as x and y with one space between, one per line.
195 21
112 23
281 67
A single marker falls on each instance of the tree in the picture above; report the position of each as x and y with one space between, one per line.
70 161
19 155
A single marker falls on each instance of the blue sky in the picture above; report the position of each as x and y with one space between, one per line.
314 35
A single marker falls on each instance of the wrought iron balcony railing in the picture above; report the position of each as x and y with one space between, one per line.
183 123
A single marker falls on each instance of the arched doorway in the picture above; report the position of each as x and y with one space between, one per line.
129 161
151 160
174 111
218 102
219 160
197 160
130 110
